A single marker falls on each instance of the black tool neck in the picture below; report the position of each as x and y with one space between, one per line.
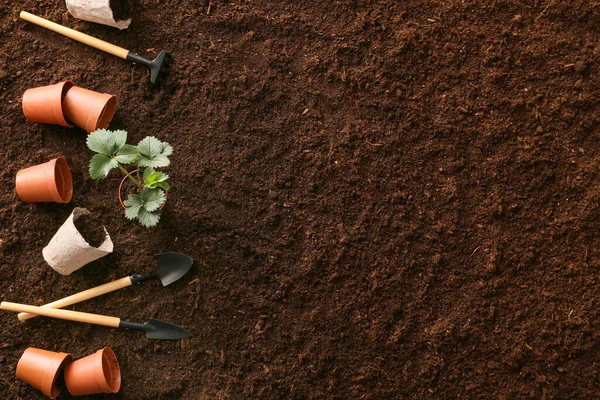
132 325
137 279
136 58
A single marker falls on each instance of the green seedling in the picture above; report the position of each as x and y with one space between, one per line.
113 152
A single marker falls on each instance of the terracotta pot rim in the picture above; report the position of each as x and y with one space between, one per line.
109 107
59 110
121 187
107 376
62 172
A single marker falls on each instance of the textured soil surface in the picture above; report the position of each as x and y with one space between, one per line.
384 199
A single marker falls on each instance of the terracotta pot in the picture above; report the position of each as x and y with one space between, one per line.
125 178
96 373
41 368
88 109
45 104
47 182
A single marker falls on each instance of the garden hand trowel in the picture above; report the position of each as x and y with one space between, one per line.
155 328
172 266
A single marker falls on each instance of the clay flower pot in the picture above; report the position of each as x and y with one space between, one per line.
47 182
68 251
45 104
96 373
41 368
88 109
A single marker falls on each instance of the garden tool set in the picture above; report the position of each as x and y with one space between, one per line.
75 244
172 267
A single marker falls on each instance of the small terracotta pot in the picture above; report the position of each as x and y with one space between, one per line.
96 373
88 109
47 182
41 368
45 104
121 189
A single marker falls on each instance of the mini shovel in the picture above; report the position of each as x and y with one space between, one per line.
172 266
155 66
155 328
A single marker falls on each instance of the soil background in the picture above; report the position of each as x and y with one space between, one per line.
384 199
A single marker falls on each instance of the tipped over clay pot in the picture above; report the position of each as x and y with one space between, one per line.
41 369
47 182
88 109
45 104
68 250
96 373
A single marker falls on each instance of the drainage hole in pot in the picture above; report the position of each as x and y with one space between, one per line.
91 229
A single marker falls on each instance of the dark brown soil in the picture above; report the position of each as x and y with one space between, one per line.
121 9
91 229
384 199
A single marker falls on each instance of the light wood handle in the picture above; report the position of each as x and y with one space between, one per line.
62 314
76 35
82 296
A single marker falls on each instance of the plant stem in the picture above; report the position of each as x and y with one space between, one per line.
131 177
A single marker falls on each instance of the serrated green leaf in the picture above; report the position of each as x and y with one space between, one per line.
153 179
106 142
158 161
127 154
132 211
148 219
163 185
133 205
152 199
100 166
167 149
120 138
148 172
132 200
154 153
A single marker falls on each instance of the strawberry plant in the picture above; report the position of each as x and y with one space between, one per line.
112 151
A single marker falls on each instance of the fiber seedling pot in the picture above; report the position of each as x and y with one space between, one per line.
96 373
68 251
41 368
47 182
98 11
45 104
88 109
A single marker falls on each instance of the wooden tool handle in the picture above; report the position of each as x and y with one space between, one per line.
82 296
76 35
62 314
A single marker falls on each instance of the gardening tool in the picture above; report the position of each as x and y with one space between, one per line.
155 328
155 65
172 266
